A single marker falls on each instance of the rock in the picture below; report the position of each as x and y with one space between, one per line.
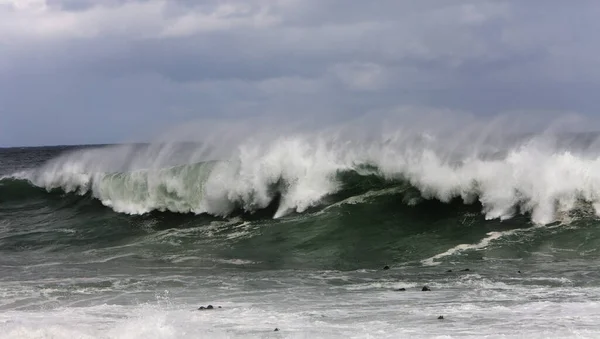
276 329
209 307
401 289
219 306
425 288
449 271
440 317
519 272
466 270
386 267
201 308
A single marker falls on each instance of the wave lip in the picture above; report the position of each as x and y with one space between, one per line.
299 172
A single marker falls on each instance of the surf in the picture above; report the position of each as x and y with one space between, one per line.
539 176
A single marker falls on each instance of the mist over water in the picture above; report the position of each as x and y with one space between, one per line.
290 227
220 169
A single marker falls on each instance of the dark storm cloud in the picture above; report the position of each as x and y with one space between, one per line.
101 71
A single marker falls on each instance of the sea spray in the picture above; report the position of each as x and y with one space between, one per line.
537 174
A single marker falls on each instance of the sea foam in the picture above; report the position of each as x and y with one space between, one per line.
542 175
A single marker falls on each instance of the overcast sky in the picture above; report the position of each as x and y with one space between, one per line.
101 71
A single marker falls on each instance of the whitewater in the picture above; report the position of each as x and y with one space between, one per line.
327 234
533 176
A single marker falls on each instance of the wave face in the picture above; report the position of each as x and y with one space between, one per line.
198 229
542 176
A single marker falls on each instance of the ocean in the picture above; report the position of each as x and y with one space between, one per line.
303 237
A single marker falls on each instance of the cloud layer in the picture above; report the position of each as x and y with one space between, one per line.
84 71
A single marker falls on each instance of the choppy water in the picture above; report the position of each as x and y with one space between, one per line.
128 241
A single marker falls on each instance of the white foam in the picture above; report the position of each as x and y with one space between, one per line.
530 177
486 311
483 243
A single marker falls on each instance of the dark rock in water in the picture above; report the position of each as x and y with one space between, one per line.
201 308
449 271
401 289
466 270
209 307
386 267
441 317
519 272
425 288
219 306
276 329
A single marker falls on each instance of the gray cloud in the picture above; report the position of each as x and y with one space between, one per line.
108 71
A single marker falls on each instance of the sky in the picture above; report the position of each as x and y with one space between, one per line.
105 71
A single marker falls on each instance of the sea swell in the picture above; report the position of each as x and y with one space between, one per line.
532 177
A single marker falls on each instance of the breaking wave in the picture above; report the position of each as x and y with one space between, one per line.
538 176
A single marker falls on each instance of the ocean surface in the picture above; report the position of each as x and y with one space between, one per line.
128 241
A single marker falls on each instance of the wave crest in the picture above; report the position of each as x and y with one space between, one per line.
531 176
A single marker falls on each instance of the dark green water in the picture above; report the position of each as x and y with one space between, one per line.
131 253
